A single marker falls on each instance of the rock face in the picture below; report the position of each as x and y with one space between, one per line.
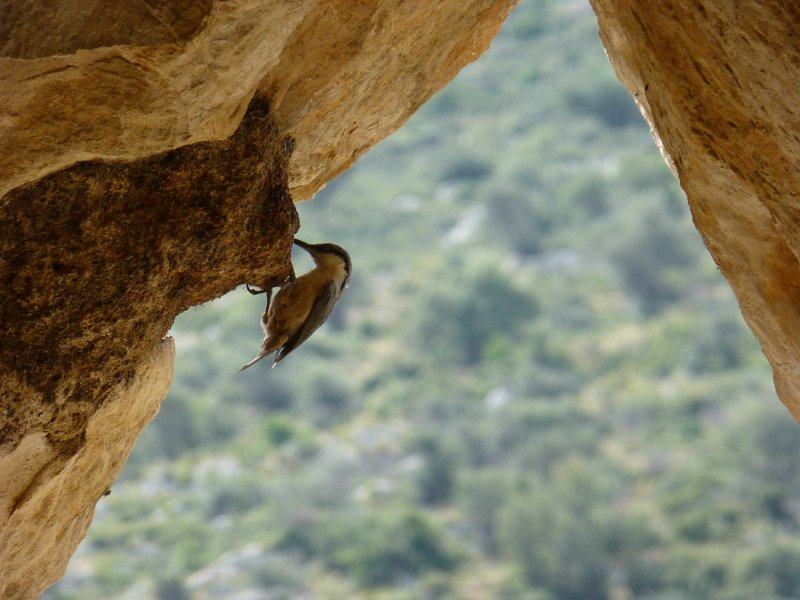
718 82
48 492
82 82
97 260
151 152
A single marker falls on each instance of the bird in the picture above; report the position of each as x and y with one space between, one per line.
303 304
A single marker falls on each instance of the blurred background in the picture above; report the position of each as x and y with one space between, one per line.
537 386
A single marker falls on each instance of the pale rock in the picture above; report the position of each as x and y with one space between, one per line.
717 80
151 153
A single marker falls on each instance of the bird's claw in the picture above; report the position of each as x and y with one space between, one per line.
255 291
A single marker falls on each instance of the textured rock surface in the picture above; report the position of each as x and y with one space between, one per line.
48 495
340 75
718 82
126 197
97 260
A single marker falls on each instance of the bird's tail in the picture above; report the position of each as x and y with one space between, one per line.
268 347
255 360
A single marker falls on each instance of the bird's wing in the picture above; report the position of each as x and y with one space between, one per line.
319 312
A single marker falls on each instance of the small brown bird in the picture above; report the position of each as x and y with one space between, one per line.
302 305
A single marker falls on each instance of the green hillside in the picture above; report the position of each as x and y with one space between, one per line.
537 386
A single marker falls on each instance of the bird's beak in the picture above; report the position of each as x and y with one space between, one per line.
305 246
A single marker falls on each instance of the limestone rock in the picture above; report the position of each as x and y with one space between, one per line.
48 495
717 81
151 152
80 82
97 260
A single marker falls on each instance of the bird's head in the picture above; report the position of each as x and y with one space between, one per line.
328 255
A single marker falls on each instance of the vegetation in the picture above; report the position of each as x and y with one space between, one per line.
537 387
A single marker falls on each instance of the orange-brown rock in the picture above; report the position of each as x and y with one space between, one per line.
717 80
79 82
136 182
97 260
48 494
